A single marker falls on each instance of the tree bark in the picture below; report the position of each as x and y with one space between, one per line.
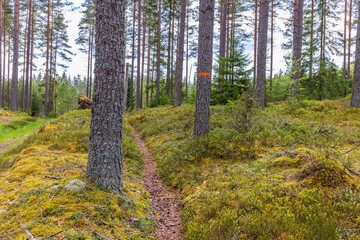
349 45
125 87
22 103
311 39
14 104
261 55
355 98
32 55
180 56
143 62
297 46
138 88
105 163
132 61
223 28
47 61
158 56
168 71
344 64
148 67
255 41
4 76
187 50
205 46
28 57
272 45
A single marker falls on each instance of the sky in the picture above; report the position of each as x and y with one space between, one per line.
79 62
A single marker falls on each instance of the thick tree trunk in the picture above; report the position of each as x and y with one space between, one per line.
14 104
158 56
180 56
138 88
28 57
297 46
205 43
355 98
261 55
132 61
105 164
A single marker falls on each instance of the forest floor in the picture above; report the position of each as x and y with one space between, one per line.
14 131
162 199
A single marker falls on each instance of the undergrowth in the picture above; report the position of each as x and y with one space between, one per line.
297 180
32 192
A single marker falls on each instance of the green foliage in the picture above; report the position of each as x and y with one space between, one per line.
296 186
233 77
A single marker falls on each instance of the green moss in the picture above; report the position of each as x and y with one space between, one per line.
296 186
59 149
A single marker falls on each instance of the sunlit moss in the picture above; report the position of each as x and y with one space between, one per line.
33 195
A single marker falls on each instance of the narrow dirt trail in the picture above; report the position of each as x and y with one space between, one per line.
163 199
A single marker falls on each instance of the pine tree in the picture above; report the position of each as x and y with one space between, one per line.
105 164
14 104
261 55
355 98
205 42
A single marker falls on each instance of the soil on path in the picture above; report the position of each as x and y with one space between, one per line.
162 199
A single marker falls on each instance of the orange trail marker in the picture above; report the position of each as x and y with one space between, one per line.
204 74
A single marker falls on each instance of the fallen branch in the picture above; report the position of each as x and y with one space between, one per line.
53 177
28 233
350 150
52 235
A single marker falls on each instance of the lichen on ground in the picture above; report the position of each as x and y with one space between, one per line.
33 194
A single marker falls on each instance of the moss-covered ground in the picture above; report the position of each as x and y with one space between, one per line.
32 190
293 174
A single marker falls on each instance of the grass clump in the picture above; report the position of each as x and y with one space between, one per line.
33 188
293 181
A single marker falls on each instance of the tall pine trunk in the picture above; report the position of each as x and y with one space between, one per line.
158 56
105 163
205 46
132 61
187 50
355 98
148 67
180 56
32 54
311 39
168 72
47 61
297 46
349 45
344 64
14 104
4 76
143 62
28 57
261 55
138 88
272 45
255 40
